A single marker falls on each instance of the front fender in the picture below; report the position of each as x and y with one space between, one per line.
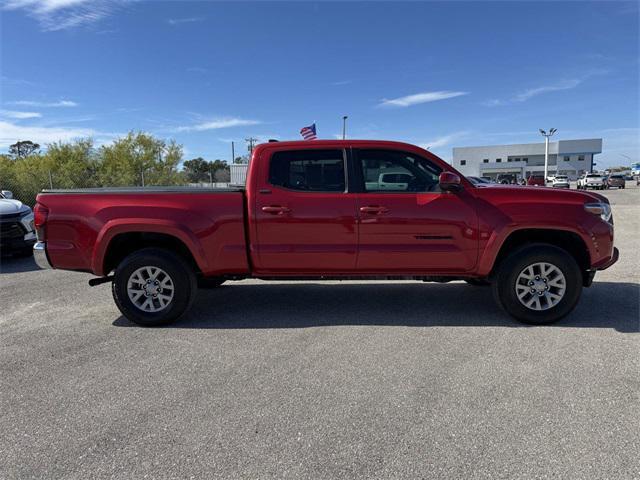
498 238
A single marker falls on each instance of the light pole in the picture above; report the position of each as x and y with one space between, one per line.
344 127
546 151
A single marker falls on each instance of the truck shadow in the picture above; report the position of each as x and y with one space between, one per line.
303 305
10 264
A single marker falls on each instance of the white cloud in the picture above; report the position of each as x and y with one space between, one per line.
443 141
566 84
11 133
494 102
19 115
180 21
55 15
532 92
217 124
30 103
423 97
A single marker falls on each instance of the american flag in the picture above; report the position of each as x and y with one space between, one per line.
309 133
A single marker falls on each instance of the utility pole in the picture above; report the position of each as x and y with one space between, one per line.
233 153
344 127
251 141
546 151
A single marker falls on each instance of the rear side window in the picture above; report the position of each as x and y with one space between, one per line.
308 170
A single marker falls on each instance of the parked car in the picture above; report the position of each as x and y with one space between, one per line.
616 180
302 216
506 179
536 180
561 181
481 180
17 233
591 180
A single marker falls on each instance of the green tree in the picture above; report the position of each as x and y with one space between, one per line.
140 158
72 165
196 169
30 176
200 170
24 148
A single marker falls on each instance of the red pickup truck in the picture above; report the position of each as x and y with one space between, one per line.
325 210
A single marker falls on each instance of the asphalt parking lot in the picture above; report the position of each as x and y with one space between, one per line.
321 380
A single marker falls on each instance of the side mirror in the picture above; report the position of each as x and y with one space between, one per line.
7 194
450 182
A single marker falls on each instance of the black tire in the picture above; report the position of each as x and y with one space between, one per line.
477 282
504 284
182 277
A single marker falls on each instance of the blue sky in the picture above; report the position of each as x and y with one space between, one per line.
435 74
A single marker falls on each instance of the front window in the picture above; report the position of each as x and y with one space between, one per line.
394 171
308 170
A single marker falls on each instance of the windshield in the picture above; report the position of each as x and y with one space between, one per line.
594 175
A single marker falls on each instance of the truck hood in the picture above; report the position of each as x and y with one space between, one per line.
546 192
11 207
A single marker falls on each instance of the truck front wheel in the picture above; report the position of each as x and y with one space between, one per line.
538 284
153 287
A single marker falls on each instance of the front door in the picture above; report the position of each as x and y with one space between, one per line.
406 224
305 219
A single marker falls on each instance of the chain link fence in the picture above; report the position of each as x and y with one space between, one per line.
27 187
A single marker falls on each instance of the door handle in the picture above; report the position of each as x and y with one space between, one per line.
276 210
374 210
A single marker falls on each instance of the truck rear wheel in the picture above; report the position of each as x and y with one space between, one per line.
538 284
154 287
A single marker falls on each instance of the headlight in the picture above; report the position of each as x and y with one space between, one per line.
602 209
27 221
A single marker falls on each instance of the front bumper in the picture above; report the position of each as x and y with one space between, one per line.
9 245
40 255
16 234
607 262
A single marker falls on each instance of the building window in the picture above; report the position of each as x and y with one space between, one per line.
525 159
498 160
517 159
509 159
485 160
566 158
581 158
463 162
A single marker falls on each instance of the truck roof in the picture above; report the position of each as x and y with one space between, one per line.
338 144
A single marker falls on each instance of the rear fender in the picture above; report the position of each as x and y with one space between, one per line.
167 227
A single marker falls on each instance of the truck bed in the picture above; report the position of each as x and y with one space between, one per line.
176 189
85 225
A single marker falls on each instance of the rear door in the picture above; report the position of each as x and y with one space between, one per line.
410 225
305 219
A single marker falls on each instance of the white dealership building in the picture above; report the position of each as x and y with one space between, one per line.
566 157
